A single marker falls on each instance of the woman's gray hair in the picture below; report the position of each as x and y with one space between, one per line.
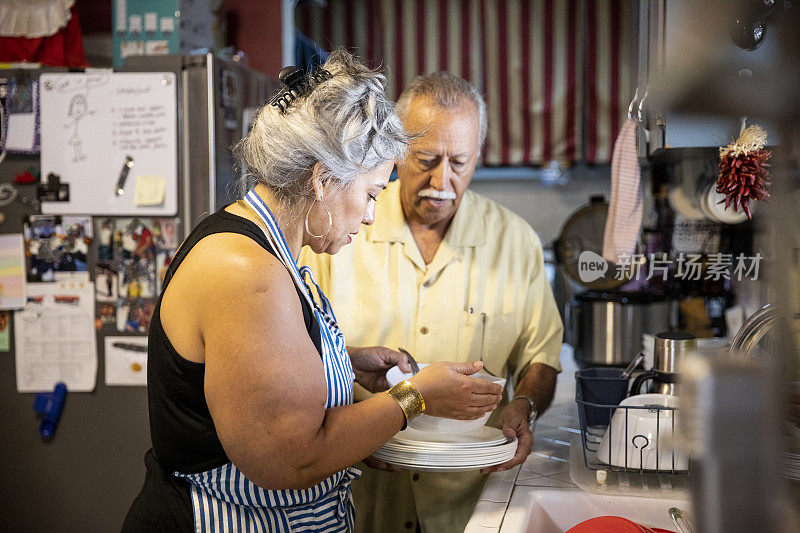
345 123
446 90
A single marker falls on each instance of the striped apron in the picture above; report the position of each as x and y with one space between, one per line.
223 499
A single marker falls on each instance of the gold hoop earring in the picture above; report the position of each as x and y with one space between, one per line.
330 220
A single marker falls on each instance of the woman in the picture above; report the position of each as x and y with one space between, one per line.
250 381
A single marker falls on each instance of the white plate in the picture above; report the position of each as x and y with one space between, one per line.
426 457
422 468
478 464
449 456
442 461
412 464
510 444
448 468
478 438
421 462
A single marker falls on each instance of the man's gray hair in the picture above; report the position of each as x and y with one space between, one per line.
346 123
446 90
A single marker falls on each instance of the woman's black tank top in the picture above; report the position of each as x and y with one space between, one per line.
182 431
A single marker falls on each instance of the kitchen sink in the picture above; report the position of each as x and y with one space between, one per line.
554 491
543 510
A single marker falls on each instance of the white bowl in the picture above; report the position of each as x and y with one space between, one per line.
645 427
716 210
438 424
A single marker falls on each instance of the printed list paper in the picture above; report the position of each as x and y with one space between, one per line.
55 337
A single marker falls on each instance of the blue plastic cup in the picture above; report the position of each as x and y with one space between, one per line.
602 386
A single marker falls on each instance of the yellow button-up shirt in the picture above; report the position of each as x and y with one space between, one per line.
484 296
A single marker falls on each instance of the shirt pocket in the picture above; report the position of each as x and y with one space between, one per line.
488 338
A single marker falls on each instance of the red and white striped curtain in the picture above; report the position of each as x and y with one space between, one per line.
609 74
556 74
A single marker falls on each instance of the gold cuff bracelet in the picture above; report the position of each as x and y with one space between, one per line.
410 400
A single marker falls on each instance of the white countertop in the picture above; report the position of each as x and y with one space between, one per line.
548 463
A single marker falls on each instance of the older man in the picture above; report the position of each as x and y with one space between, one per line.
448 275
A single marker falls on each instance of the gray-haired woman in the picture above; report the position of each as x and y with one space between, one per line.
250 380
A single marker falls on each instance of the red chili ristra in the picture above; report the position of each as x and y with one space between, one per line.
744 177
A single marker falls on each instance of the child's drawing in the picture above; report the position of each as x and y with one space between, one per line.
78 108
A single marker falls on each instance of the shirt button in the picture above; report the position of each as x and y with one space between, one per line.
427 283
423 330
409 525
415 477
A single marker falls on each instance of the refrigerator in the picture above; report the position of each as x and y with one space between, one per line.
95 459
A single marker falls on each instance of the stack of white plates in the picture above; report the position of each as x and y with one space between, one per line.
448 452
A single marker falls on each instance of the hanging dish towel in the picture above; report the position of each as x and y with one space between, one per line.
625 207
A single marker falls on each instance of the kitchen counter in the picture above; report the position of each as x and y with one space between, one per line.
539 495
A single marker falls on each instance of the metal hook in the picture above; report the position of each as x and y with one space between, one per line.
640 117
641 106
633 102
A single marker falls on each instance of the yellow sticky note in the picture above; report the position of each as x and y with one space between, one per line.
149 189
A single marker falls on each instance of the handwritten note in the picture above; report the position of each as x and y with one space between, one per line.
139 127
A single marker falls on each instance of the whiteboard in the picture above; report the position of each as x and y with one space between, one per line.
91 122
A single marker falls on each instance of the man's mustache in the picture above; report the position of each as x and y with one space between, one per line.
436 194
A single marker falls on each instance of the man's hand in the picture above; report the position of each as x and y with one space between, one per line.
514 423
377 464
370 364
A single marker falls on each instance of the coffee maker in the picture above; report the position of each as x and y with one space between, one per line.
668 353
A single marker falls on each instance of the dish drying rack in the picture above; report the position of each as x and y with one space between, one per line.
665 473
638 483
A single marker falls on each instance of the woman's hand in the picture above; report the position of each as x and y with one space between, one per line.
370 364
450 392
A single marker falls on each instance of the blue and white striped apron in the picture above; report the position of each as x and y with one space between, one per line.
224 499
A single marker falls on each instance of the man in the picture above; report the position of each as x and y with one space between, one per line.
447 275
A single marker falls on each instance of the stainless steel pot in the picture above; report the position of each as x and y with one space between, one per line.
605 328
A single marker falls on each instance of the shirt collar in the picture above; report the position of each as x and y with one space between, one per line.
466 229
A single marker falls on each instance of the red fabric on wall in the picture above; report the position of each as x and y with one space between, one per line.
63 49
255 28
